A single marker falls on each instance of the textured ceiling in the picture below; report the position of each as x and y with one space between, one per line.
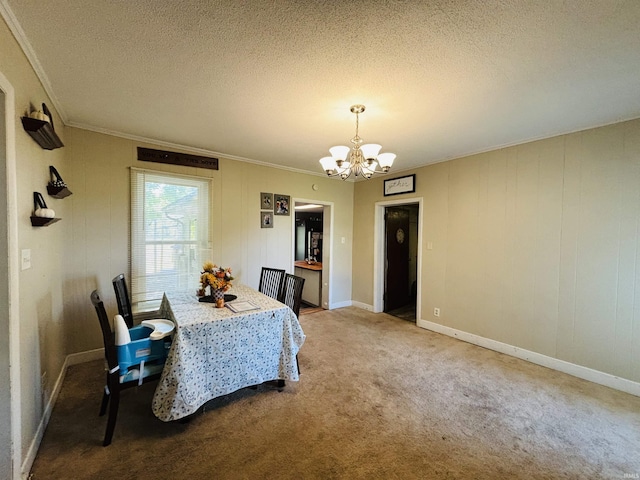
272 81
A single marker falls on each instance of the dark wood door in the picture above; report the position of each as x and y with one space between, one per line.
397 267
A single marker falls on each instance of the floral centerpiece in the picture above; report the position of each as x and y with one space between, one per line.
218 279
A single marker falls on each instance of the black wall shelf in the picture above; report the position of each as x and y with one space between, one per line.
42 221
58 192
42 132
39 203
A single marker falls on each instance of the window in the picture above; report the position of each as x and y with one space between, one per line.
169 235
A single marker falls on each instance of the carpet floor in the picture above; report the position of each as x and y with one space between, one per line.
378 398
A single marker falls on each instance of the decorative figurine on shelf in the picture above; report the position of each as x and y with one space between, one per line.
40 207
218 279
56 179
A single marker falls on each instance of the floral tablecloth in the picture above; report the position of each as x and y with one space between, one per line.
216 351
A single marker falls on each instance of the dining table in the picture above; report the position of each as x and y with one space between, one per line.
217 351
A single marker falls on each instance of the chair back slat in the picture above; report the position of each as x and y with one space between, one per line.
292 292
122 298
271 282
110 352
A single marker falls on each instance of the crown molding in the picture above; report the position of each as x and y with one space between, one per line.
187 149
23 41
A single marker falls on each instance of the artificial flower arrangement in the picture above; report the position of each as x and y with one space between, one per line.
218 278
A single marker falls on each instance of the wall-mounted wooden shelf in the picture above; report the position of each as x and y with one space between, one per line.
58 192
42 221
39 203
42 132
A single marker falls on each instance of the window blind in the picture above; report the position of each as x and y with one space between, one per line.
170 235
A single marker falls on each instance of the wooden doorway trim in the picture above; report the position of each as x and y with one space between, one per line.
12 357
327 247
379 252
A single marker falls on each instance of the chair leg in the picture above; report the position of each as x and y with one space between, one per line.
298 364
105 401
113 414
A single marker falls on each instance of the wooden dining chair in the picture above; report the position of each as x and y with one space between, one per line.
271 282
292 292
122 298
114 383
292 298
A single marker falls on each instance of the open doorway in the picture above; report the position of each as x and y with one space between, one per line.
401 265
384 271
309 254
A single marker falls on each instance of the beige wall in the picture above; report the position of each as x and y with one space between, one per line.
536 246
98 175
41 339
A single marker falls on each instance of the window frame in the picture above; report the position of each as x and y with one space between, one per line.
141 299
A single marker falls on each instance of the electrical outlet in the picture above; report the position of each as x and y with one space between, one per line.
436 312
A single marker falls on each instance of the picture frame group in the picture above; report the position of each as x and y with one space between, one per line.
271 205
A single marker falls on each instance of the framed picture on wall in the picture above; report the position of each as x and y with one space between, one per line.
396 186
266 219
282 204
266 201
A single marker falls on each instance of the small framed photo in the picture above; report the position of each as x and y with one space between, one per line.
282 204
266 219
266 201
396 186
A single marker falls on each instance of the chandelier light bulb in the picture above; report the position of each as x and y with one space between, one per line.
339 152
328 164
386 160
370 150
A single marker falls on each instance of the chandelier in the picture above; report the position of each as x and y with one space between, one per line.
359 159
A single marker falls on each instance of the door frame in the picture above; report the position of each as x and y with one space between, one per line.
12 357
379 252
327 245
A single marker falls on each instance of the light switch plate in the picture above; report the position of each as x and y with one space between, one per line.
26 258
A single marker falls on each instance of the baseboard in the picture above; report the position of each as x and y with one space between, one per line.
363 306
579 371
73 359
42 426
341 304
83 357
